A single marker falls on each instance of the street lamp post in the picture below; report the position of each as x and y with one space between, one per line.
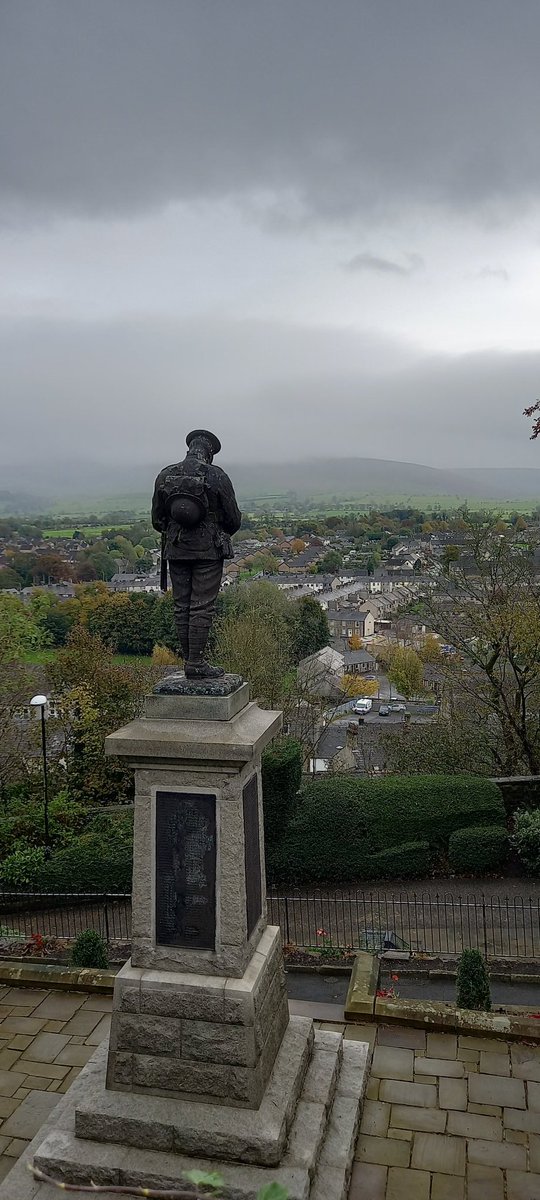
41 702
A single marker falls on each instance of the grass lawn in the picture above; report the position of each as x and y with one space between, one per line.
86 530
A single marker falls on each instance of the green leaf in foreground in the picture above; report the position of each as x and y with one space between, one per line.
273 1191
208 1179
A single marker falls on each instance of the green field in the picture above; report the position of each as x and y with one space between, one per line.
86 530
42 657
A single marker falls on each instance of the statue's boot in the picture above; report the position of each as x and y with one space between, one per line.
196 666
182 632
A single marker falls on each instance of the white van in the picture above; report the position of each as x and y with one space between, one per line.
363 705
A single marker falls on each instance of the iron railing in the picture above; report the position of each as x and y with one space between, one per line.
499 926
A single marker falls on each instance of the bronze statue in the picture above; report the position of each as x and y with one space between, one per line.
194 508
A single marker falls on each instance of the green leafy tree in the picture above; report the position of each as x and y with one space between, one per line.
331 562
19 632
308 627
406 671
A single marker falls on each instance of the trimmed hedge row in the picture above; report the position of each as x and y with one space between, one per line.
281 779
478 848
347 829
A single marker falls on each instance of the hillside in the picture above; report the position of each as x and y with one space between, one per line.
46 485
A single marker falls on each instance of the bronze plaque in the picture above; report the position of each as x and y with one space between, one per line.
186 870
252 853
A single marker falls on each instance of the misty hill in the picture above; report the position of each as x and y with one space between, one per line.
43 484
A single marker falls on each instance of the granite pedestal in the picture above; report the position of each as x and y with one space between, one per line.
204 1068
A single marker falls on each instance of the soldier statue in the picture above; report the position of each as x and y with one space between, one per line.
194 508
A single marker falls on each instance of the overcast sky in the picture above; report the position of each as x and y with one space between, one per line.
311 225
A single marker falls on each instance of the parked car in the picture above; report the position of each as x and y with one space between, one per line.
363 705
384 710
397 706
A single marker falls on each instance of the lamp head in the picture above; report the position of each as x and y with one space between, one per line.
39 701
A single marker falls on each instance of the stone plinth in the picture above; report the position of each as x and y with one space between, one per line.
204 1069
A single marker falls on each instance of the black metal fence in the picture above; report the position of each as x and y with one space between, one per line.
64 915
499 926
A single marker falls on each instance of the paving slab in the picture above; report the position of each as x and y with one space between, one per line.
494 1064
407 1185
470 1125
505 1155
56 1005
439 1066
453 1094
522 1185
397 1035
375 1118
525 1062
392 1062
46 1046
496 1089
420 1095
443 1154
441 1045
368 1181
101 1031
10 1081
30 1115
447 1187
484 1183
84 1021
389 1152
25 997
425 1120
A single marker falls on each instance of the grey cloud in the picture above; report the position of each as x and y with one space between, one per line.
384 266
493 273
125 394
309 109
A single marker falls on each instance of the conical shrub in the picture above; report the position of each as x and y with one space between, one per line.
473 982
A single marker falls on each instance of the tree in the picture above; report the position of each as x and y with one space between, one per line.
331 562
491 615
95 695
10 579
406 671
356 685
298 545
19 632
355 642
255 645
307 626
264 562
430 649
450 555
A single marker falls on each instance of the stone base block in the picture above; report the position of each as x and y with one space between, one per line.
209 1038
362 991
189 700
316 1163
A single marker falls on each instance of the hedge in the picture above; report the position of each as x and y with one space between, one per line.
90 863
478 848
281 779
408 861
343 825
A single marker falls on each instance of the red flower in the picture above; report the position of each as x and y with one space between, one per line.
322 933
395 978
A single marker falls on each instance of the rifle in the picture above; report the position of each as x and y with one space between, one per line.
163 568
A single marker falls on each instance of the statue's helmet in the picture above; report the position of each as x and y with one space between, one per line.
204 435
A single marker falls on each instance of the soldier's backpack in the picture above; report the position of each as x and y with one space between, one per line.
186 497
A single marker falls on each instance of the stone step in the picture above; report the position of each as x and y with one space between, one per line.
315 1102
324 1133
190 1127
333 1174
